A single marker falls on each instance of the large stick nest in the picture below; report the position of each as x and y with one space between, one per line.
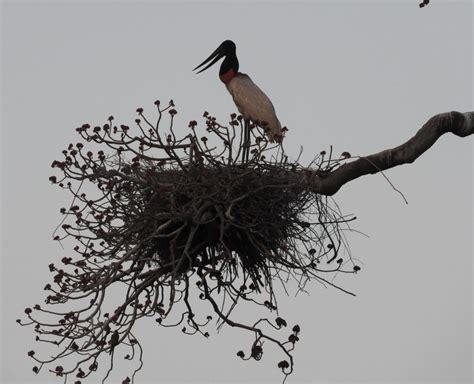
250 214
168 211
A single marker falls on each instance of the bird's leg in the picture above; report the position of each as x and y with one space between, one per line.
246 142
243 140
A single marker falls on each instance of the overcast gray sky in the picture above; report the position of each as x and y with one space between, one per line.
359 75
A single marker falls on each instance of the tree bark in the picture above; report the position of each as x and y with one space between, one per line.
460 124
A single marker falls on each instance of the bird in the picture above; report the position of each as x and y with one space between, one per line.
252 103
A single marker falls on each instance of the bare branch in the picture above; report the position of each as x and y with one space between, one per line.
460 124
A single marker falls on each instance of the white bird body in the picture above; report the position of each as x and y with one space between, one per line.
250 100
254 105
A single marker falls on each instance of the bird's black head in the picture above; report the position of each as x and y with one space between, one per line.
230 65
228 47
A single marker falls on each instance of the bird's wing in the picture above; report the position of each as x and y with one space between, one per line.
254 105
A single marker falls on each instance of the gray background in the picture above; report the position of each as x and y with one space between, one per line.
362 76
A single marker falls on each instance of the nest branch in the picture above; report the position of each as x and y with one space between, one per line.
457 123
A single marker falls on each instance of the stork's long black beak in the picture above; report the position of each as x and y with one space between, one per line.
213 58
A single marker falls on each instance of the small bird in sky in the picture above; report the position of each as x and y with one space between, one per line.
252 103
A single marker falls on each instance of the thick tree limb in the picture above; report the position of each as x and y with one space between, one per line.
460 124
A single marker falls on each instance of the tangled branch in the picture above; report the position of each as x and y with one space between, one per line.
180 229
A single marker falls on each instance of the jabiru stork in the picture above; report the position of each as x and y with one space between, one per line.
252 103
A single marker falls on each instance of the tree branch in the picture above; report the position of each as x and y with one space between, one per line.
163 213
460 124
